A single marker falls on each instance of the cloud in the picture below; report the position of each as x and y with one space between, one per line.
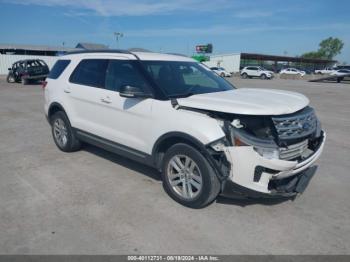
230 30
131 8
253 14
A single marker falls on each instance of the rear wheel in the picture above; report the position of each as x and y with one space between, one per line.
24 81
244 75
63 134
188 178
222 74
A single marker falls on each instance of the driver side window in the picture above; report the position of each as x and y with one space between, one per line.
122 73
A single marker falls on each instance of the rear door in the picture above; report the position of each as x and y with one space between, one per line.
84 92
35 68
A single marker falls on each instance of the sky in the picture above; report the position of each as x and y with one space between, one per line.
270 27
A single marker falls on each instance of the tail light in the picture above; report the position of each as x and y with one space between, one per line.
43 84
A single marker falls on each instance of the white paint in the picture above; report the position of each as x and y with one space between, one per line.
6 61
245 159
231 62
248 101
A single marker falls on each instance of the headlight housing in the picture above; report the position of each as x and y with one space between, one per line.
265 147
269 153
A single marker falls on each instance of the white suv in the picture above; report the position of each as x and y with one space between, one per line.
172 113
221 71
256 71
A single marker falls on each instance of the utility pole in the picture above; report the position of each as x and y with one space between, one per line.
118 35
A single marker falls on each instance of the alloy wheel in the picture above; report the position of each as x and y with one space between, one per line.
184 177
60 132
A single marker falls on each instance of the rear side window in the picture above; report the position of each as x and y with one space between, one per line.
58 68
90 72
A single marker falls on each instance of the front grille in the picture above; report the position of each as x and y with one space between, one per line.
297 125
293 151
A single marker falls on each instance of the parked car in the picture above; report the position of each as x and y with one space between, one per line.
221 71
172 113
27 70
292 71
340 72
256 71
324 71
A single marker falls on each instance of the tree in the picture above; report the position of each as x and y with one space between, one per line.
314 55
329 48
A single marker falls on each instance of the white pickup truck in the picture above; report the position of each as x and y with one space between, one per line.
327 70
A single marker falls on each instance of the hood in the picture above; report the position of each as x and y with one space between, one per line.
248 101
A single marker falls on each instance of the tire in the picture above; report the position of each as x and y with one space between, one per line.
63 134
222 74
263 76
10 79
201 184
244 75
24 81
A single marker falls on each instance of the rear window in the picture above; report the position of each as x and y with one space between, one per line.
58 68
90 72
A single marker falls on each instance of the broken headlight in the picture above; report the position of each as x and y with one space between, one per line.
265 147
269 153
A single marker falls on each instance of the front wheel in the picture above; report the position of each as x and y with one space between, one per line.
244 75
263 77
222 74
188 178
10 79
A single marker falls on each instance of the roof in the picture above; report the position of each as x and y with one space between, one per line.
284 58
36 48
91 46
146 56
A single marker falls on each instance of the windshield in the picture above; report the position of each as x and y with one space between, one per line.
182 79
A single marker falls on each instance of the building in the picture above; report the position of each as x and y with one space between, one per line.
231 62
234 62
90 46
10 53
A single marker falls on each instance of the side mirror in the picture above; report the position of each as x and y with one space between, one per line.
133 92
9 68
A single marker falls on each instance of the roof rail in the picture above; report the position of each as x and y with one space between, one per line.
119 51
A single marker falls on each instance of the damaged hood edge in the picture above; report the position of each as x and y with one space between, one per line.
248 101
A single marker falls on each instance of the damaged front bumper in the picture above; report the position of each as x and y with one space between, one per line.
255 176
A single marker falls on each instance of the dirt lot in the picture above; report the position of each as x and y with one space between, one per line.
94 202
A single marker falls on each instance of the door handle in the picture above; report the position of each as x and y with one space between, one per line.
106 100
66 91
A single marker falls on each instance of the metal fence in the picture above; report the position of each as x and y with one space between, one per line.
6 61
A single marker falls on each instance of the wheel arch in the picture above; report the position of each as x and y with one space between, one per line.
167 140
54 108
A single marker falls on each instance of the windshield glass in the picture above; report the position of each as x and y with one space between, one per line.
181 79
